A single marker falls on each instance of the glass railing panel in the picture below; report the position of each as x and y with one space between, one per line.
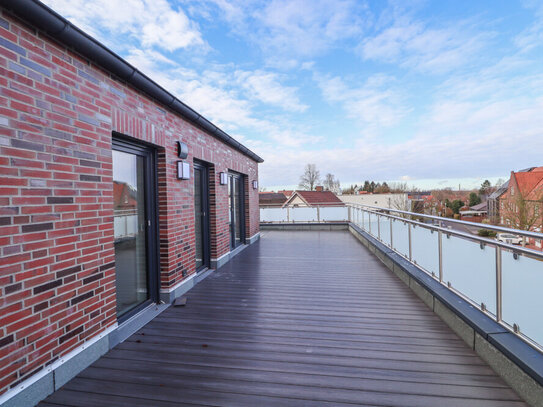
384 225
373 225
334 213
366 223
355 216
303 214
471 269
273 214
400 237
424 248
522 281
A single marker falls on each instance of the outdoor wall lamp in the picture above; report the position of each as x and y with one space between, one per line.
255 184
223 178
183 170
182 150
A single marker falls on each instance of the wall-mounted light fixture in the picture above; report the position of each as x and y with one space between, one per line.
183 170
182 150
223 178
255 184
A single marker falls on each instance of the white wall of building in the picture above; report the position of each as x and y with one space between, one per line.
389 201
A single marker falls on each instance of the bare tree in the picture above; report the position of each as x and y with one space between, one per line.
399 199
310 178
524 214
330 183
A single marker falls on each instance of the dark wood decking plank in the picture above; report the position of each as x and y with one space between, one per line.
471 379
301 319
146 383
314 379
312 348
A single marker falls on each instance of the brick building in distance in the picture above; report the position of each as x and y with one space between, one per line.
521 203
115 196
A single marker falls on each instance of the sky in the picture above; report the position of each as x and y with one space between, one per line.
432 93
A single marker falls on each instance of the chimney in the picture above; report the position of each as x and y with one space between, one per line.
319 188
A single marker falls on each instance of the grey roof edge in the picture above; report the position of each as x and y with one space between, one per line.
56 26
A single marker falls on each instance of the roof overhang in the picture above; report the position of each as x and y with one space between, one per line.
56 26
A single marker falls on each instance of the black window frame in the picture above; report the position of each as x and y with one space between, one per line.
241 215
127 144
206 223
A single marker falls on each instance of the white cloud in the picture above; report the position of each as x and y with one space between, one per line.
265 87
151 22
289 31
376 103
532 37
413 44
230 99
485 123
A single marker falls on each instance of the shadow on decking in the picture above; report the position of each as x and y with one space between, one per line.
299 318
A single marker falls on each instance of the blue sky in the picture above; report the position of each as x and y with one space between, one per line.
432 93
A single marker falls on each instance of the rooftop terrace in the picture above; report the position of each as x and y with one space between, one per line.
299 318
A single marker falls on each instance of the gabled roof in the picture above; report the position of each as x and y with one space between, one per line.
271 198
123 196
530 183
500 191
316 198
483 206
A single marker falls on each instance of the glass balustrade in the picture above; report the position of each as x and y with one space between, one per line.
471 269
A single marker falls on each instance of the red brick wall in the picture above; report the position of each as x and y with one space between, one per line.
57 274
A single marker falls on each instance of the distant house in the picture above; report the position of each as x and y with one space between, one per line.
521 205
313 198
475 213
271 199
286 192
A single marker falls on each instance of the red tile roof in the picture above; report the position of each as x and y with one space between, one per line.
319 198
123 197
530 184
271 198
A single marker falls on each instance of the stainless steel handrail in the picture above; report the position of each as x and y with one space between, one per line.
518 249
526 233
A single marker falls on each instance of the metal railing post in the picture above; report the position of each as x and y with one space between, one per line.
349 213
363 224
498 283
318 214
409 235
369 221
391 239
378 228
288 214
440 248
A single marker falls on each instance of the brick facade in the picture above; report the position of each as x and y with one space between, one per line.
57 270
521 205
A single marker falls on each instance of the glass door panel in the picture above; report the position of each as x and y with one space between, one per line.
198 217
236 213
130 230
201 211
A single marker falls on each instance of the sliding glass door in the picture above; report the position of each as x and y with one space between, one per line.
201 216
236 203
133 211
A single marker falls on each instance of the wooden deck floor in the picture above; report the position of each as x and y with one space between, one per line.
298 319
